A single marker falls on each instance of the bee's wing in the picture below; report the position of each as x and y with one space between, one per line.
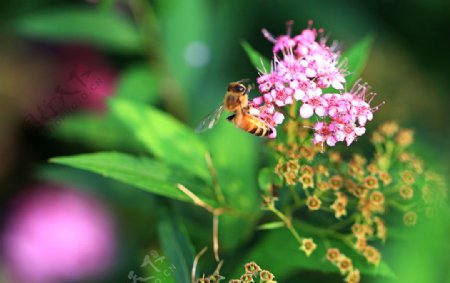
210 120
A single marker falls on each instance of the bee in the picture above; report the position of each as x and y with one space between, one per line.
244 116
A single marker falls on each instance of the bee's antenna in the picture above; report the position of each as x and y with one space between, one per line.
244 80
250 87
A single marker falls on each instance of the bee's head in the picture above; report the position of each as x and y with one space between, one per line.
237 87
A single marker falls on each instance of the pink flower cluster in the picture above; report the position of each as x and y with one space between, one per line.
303 66
347 114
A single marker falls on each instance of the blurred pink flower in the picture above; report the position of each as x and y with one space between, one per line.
55 234
83 81
85 70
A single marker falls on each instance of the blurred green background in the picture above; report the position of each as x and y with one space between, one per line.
179 55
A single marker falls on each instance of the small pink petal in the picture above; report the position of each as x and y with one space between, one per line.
321 111
273 134
318 139
258 100
278 118
299 94
359 131
349 139
310 73
331 141
306 111
337 84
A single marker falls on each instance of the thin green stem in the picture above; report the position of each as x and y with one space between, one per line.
286 221
292 124
217 189
295 195
400 206
343 223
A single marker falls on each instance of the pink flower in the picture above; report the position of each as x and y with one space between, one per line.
306 66
347 114
54 234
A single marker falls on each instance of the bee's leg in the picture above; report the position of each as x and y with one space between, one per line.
231 117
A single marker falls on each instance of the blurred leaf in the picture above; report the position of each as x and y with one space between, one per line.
102 132
143 173
108 30
258 61
176 245
267 178
194 17
271 225
138 83
423 256
357 57
164 136
274 257
165 274
235 157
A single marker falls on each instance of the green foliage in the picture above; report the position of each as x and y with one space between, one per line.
175 244
177 154
267 179
235 156
357 57
259 61
163 136
182 24
143 173
285 258
104 29
138 83
97 131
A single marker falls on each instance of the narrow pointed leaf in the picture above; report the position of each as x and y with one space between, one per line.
357 57
258 61
143 173
164 136
176 245
104 29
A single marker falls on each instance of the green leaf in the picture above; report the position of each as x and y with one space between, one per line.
164 136
272 225
235 156
176 245
138 83
102 132
104 29
274 257
267 179
357 57
143 173
193 18
259 61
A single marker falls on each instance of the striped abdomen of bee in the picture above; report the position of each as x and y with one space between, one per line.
250 124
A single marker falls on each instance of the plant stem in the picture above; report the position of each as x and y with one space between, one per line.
400 206
343 223
286 221
297 200
292 124
217 190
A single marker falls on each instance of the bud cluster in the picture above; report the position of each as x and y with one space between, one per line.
357 192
